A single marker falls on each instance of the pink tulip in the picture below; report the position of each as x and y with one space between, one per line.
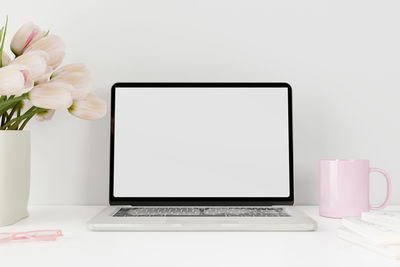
74 67
89 108
81 83
53 45
35 62
25 36
14 80
45 115
5 59
45 77
51 95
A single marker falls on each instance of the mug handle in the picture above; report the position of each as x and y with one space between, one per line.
388 188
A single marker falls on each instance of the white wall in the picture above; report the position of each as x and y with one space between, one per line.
341 57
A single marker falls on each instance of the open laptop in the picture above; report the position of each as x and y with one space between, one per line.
201 157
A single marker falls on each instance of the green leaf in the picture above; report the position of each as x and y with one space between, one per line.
2 42
4 106
47 33
1 51
1 33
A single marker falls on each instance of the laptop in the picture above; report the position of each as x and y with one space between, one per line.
201 157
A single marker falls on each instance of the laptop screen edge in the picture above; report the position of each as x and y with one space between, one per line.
203 201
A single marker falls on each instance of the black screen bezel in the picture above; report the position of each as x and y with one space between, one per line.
201 201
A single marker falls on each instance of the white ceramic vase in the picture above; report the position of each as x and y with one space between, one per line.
15 170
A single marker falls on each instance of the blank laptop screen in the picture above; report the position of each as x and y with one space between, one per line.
201 142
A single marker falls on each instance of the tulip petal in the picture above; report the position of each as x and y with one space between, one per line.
14 79
53 45
45 77
35 61
81 83
24 37
5 59
74 67
45 115
89 108
51 95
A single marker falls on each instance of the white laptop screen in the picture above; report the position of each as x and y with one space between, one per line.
201 142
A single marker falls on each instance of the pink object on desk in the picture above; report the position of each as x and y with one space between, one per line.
44 235
344 187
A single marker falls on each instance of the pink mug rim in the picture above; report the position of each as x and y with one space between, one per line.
344 160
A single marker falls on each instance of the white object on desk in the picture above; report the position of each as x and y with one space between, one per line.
389 219
375 233
392 251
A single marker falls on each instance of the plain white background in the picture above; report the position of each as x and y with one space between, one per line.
341 57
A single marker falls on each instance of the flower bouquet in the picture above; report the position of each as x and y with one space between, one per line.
32 84
32 80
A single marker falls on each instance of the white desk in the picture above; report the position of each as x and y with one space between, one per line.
80 247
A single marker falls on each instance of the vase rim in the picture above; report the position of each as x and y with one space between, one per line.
14 131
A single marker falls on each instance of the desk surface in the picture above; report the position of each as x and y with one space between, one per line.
81 247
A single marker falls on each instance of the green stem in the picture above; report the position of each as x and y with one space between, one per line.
25 122
4 115
3 118
11 102
11 114
2 43
15 122
19 109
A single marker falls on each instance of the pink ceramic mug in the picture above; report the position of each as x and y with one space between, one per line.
344 187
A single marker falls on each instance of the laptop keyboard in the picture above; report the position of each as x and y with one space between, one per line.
201 212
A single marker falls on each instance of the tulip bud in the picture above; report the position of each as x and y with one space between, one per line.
75 67
25 36
80 82
45 77
35 62
54 95
15 79
45 115
89 108
5 59
53 45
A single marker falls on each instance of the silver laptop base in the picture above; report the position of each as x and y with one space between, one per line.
220 219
